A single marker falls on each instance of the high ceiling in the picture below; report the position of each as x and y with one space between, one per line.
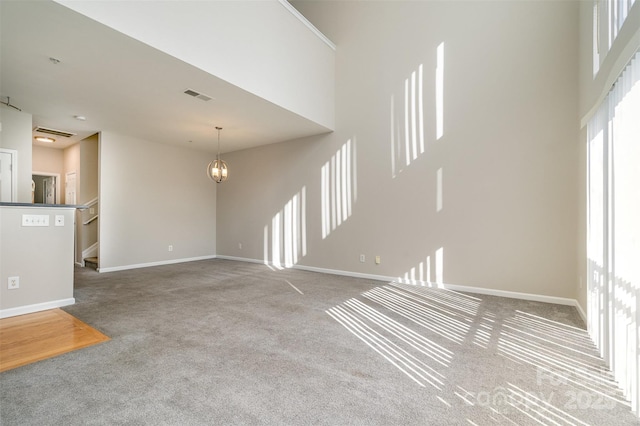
124 86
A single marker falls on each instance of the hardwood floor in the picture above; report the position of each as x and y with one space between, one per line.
33 337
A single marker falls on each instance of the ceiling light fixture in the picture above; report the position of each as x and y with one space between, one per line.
45 139
217 169
80 117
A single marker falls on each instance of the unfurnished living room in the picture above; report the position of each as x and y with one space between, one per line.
320 212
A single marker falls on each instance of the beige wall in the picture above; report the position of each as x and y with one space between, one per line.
42 257
152 196
48 160
508 160
71 164
16 135
89 167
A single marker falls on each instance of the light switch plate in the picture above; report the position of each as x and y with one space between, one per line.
35 220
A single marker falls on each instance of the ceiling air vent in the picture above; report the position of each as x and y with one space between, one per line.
53 132
198 95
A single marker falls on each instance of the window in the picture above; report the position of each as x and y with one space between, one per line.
608 18
613 230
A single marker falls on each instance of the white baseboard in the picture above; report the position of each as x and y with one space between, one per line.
344 273
453 287
511 294
241 259
159 263
581 312
308 268
29 309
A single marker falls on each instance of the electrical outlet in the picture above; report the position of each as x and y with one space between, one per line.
170 247
362 258
240 246
13 283
92 210
59 220
377 260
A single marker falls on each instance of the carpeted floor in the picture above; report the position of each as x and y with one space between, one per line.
223 342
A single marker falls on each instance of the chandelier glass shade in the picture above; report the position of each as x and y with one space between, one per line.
217 169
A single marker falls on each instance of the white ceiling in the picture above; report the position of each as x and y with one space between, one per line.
124 86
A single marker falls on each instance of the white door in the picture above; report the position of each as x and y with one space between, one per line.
70 188
7 173
49 190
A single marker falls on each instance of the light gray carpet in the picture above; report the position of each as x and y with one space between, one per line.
223 342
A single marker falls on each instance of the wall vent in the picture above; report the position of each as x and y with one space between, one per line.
198 95
53 132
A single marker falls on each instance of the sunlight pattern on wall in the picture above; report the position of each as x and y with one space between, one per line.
407 116
407 137
339 189
285 239
596 38
421 273
440 91
439 193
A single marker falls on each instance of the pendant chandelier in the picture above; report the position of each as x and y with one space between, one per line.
217 169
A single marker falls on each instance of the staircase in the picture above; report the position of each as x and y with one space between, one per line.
88 218
91 262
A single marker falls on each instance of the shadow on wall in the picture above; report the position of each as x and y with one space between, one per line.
422 272
339 187
285 236
407 125
408 144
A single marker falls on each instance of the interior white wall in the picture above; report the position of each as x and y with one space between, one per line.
152 196
16 134
258 46
508 154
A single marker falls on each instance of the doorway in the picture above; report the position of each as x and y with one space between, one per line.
8 175
45 188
